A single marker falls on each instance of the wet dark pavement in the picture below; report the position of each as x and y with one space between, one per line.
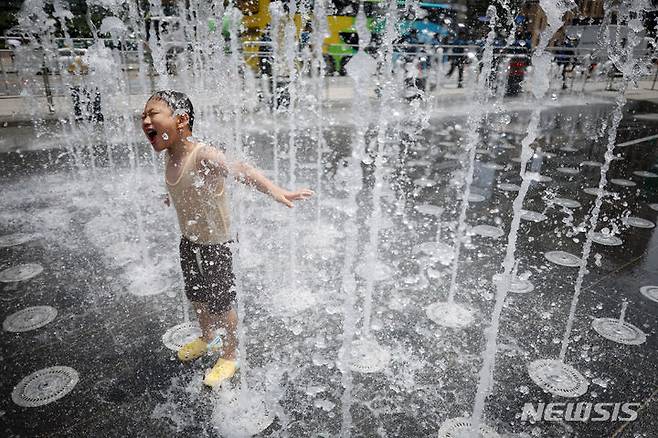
130 384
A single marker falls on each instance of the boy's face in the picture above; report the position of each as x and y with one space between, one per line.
160 125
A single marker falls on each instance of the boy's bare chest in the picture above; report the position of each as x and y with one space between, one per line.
175 170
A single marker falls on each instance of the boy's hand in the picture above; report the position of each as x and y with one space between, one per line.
285 197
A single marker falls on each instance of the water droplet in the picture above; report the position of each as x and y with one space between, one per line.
165 137
553 96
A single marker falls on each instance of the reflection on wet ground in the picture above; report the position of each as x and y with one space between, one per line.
110 269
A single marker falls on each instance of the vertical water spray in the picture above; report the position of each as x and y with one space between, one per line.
621 53
368 355
276 15
156 48
348 291
318 72
348 281
36 57
249 411
540 84
290 55
360 72
450 313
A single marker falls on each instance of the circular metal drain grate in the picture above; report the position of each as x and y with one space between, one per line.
622 333
606 239
368 356
487 231
645 174
449 314
533 216
418 163
20 272
424 182
637 222
15 239
475 197
541 178
283 305
429 209
568 170
44 386
419 147
379 271
650 292
623 182
507 187
181 334
566 203
562 258
492 166
437 250
558 378
595 191
517 285
460 427
29 319
237 413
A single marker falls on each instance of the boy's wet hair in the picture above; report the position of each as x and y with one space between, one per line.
178 103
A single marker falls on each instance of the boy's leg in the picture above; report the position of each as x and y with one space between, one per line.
226 365
208 325
229 322
210 322
199 347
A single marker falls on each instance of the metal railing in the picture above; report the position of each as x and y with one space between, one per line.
430 60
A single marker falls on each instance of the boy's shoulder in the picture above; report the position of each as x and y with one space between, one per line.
206 150
203 151
208 155
209 148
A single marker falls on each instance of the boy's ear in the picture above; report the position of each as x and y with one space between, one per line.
182 120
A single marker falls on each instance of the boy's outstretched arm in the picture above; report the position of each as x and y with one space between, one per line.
215 160
249 175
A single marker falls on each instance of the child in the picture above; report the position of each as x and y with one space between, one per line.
194 175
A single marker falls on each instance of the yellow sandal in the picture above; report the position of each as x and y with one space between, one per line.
223 370
196 349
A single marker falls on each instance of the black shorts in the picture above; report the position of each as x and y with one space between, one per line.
208 274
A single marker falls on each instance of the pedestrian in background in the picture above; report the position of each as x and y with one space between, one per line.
84 106
457 59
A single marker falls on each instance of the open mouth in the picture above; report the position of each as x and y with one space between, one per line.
151 134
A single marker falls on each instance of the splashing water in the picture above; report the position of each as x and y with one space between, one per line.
379 229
